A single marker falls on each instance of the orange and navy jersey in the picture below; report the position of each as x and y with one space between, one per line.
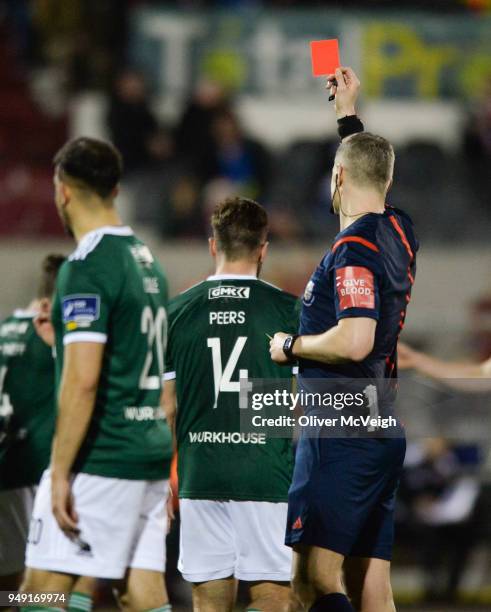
368 272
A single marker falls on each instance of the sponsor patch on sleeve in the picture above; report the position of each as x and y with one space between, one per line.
356 287
80 310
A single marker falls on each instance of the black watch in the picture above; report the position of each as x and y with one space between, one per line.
288 346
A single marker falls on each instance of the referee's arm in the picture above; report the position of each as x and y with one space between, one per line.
346 92
352 339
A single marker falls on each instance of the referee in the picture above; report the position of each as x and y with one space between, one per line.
341 501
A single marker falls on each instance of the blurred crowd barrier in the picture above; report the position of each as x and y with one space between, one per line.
450 306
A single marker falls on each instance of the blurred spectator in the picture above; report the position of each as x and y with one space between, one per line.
133 126
440 489
478 129
477 148
234 157
193 131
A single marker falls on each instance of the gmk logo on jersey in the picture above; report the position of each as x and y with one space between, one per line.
229 291
80 310
355 287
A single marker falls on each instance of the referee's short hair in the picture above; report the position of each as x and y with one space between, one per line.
240 227
368 158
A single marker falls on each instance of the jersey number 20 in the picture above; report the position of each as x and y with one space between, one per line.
154 327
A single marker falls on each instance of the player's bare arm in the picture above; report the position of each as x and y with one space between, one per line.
81 371
169 404
351 339
458 375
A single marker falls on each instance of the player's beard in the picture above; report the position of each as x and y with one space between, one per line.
65 220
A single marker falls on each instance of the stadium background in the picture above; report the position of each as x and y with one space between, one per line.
207 99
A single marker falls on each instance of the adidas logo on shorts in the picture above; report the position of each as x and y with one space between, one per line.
297 524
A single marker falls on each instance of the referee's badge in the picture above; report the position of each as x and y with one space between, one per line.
308 294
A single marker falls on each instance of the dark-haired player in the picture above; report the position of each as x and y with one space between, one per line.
341 502
99 510
232 486
28 410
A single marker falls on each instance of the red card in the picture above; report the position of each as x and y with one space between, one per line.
325 56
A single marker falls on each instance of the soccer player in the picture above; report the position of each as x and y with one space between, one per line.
100 508
341 502
470 377
232 486
28 404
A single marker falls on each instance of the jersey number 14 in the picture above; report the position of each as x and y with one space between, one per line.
222 377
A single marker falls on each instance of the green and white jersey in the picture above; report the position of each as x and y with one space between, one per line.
111 290
216 330
27 405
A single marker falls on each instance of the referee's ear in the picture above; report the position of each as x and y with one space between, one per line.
340 175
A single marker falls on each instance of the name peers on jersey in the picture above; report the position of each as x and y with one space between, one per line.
227 317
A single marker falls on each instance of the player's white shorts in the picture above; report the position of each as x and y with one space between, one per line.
123 524
233 538
15 514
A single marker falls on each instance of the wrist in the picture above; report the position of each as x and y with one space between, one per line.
297 347
349 125
59 474
289 346
345 112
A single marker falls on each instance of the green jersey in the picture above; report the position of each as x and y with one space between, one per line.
26 401
111 290
218 332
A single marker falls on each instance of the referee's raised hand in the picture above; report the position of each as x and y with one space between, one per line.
345 91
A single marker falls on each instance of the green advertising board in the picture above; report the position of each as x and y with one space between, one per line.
398 55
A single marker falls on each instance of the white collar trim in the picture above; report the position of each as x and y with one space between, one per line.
90 240
113 230
215 277
20 313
